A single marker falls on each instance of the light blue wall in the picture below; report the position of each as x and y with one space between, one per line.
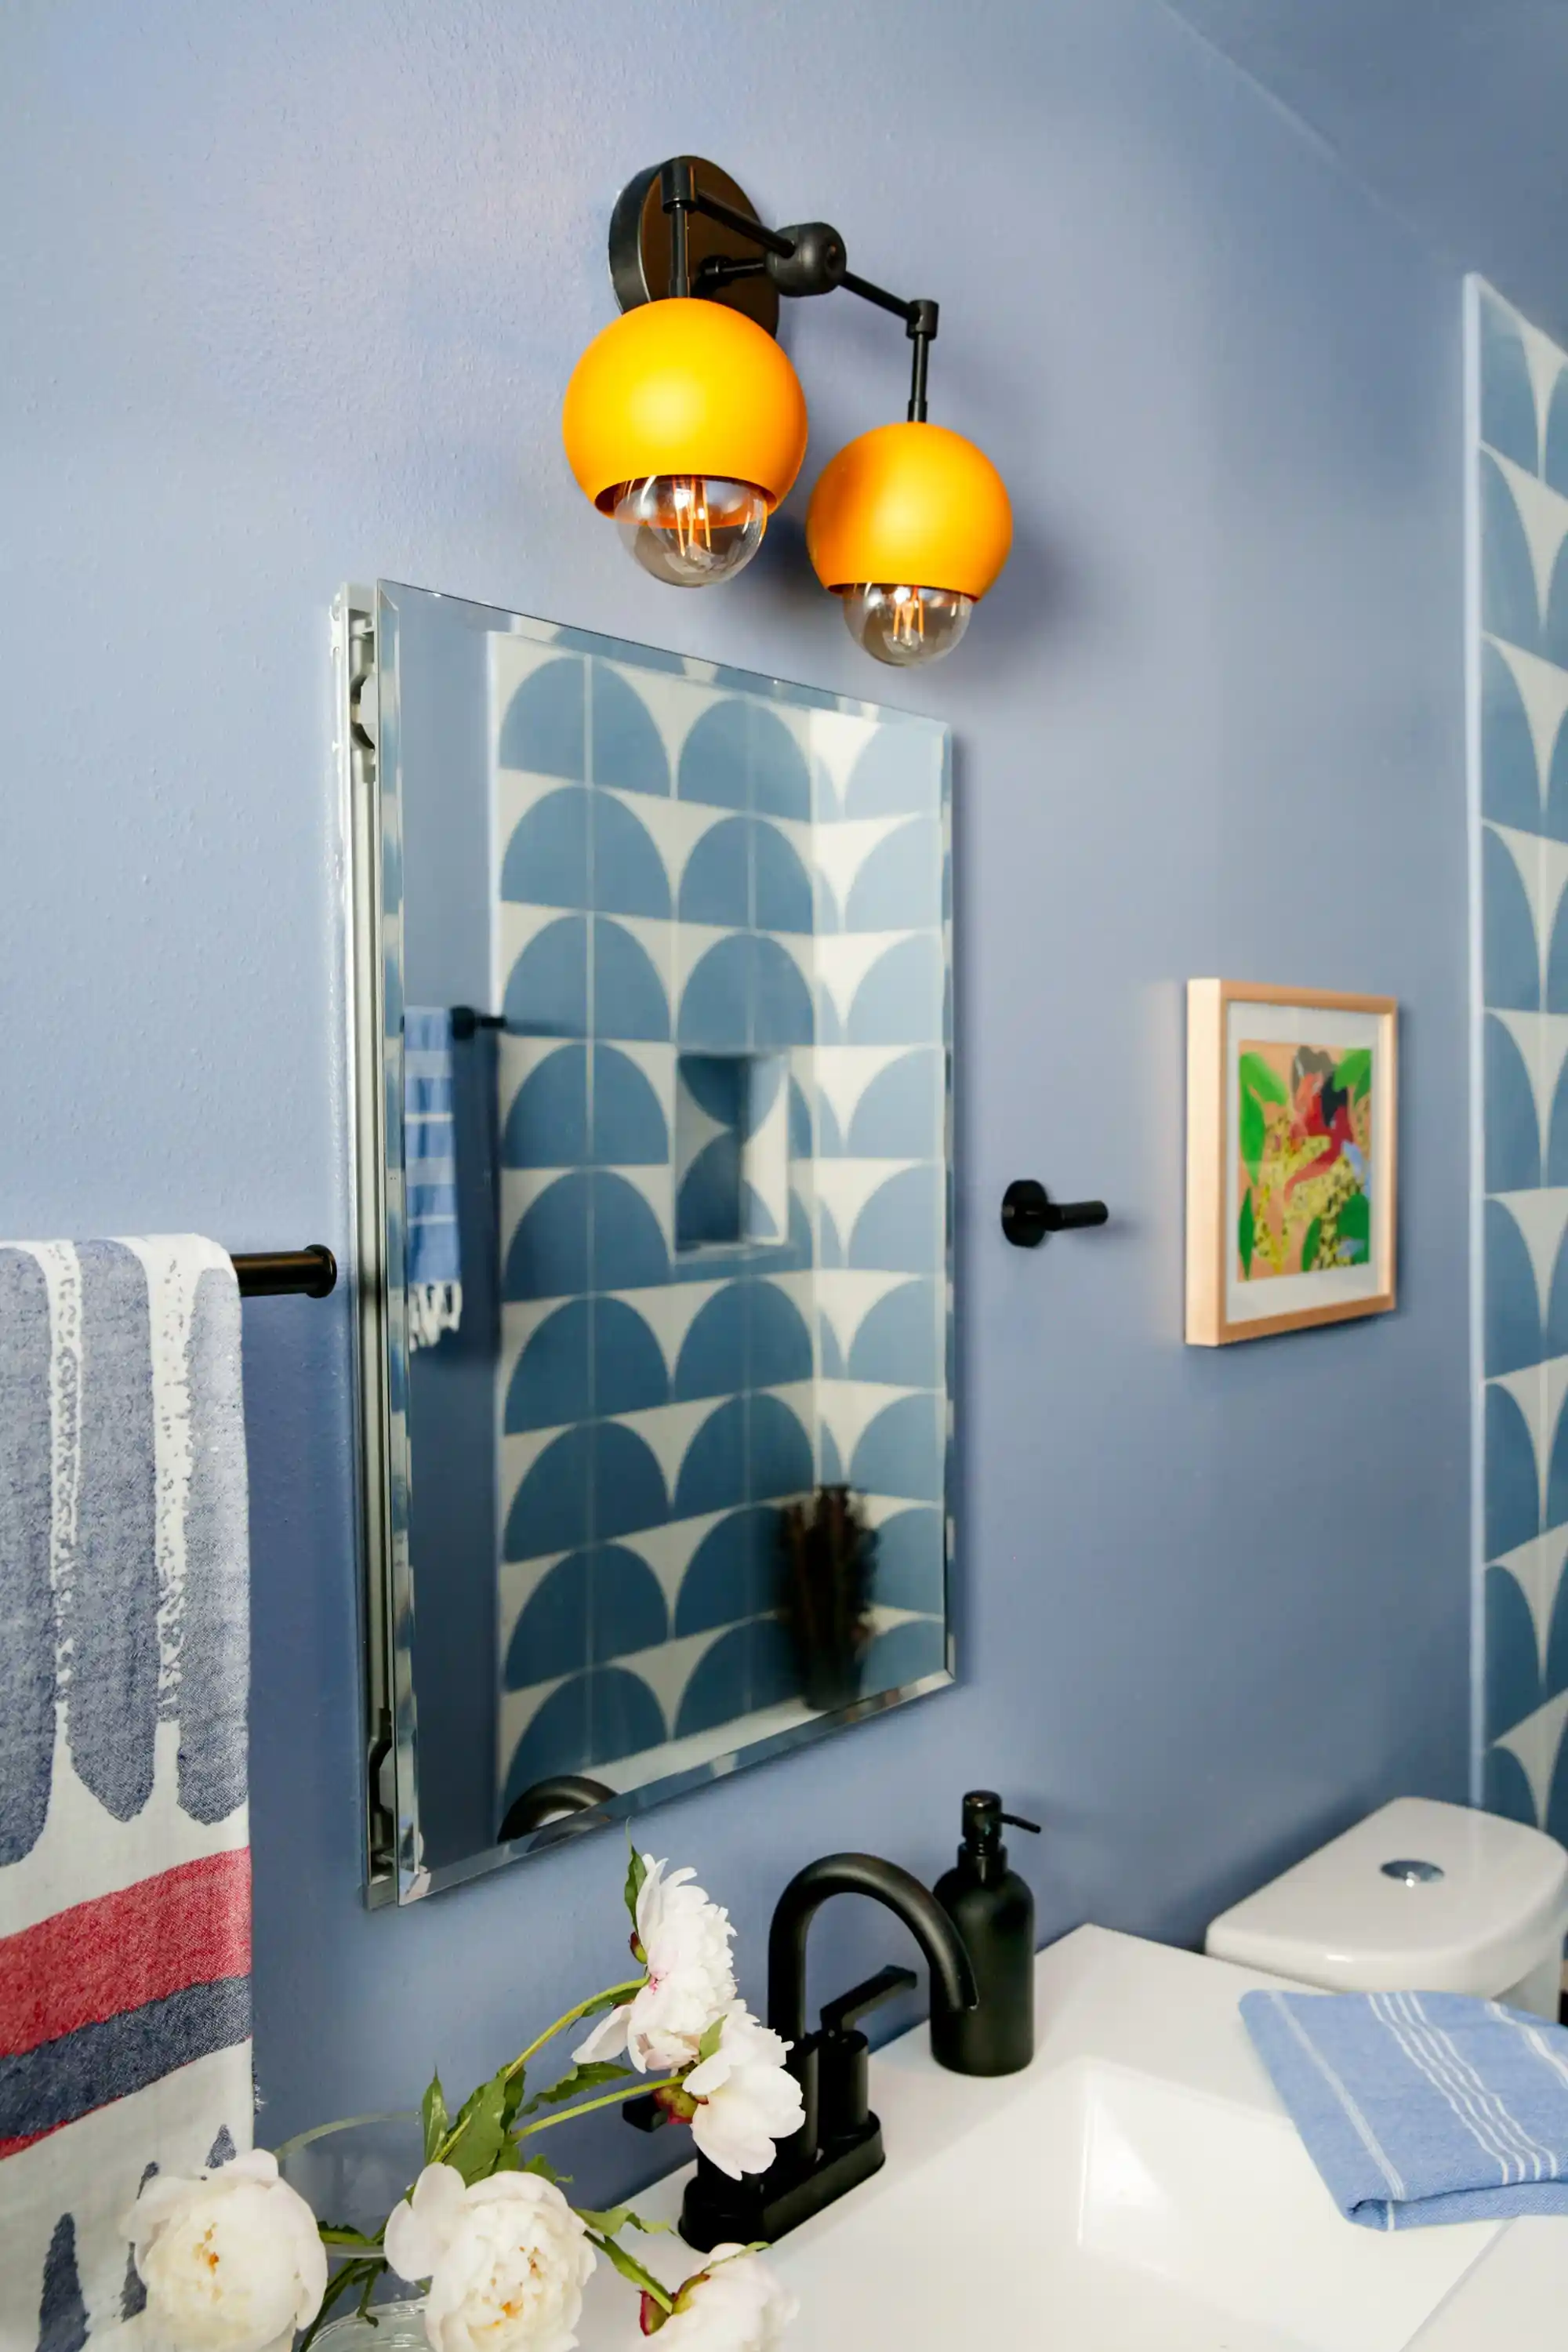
1455 115
291 296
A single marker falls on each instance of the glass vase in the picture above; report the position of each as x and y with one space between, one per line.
397 2327
352 2175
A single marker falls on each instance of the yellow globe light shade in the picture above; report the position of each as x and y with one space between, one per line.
684 388
912 504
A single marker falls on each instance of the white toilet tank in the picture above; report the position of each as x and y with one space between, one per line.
1420 1897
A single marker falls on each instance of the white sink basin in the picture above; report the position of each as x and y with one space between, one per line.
1113 2210
1139 2189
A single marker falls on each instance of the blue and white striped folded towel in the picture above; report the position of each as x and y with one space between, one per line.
433 1270
1419 2107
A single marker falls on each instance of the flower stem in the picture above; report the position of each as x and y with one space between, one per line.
611 2099
610 1994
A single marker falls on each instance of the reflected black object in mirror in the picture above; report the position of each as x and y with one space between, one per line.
1029 1214
564 1793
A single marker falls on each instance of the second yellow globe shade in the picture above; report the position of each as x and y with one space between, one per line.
684 387
912 504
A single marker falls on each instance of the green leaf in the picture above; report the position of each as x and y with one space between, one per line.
342 2281
1258 1078
1355 1219
636 1871
1353 1076
1309 1246
620 2218
1244 1234
542 2165
630 2268
478 2135
710 2039
433 2112
581 2078
1253 1132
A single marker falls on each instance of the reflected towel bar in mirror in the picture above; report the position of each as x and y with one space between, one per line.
311 1272
466 1021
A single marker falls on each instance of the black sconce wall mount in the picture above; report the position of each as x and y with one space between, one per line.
684 421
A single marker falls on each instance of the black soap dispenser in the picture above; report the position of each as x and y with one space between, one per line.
994 1910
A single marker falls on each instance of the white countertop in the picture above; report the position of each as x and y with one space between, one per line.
1176 2173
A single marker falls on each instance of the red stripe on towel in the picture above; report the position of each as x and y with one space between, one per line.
185 1927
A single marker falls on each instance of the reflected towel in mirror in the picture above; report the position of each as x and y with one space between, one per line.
433 1266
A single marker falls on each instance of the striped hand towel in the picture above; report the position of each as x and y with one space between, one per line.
432 1267
124 1841
1420 2107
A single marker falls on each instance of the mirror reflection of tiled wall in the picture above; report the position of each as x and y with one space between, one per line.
719 946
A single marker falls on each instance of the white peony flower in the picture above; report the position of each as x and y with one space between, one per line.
231 2261
736 2304
690 1981
745 2099
506 2260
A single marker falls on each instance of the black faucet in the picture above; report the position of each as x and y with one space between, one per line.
840 2142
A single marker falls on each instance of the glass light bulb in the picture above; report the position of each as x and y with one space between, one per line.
690 529
904 626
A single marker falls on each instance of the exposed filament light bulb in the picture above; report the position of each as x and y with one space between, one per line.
691 529
903 624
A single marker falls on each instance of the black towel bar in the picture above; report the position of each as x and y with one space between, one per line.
274 1274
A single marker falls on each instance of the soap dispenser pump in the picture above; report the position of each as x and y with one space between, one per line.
994 1910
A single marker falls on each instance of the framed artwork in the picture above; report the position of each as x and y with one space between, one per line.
1292 1118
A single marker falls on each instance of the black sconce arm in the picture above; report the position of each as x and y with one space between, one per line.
807 258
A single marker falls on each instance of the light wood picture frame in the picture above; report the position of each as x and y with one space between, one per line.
1292 1159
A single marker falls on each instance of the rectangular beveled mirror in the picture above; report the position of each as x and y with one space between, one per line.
652 1050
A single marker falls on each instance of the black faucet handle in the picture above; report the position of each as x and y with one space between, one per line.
844 2081
838 2016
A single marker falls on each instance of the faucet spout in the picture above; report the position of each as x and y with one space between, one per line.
885 1883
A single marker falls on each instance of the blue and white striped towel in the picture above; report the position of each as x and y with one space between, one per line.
1420 2107
433 1269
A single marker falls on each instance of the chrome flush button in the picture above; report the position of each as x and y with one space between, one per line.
1413 1874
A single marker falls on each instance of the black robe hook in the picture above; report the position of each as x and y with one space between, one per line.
1029 1214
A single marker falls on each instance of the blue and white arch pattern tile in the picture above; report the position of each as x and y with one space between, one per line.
906 1646
1526 1770
595 1717
1526 1277
1527 1454
1519 596
688 860
666 1552
1526 1605
600 1714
